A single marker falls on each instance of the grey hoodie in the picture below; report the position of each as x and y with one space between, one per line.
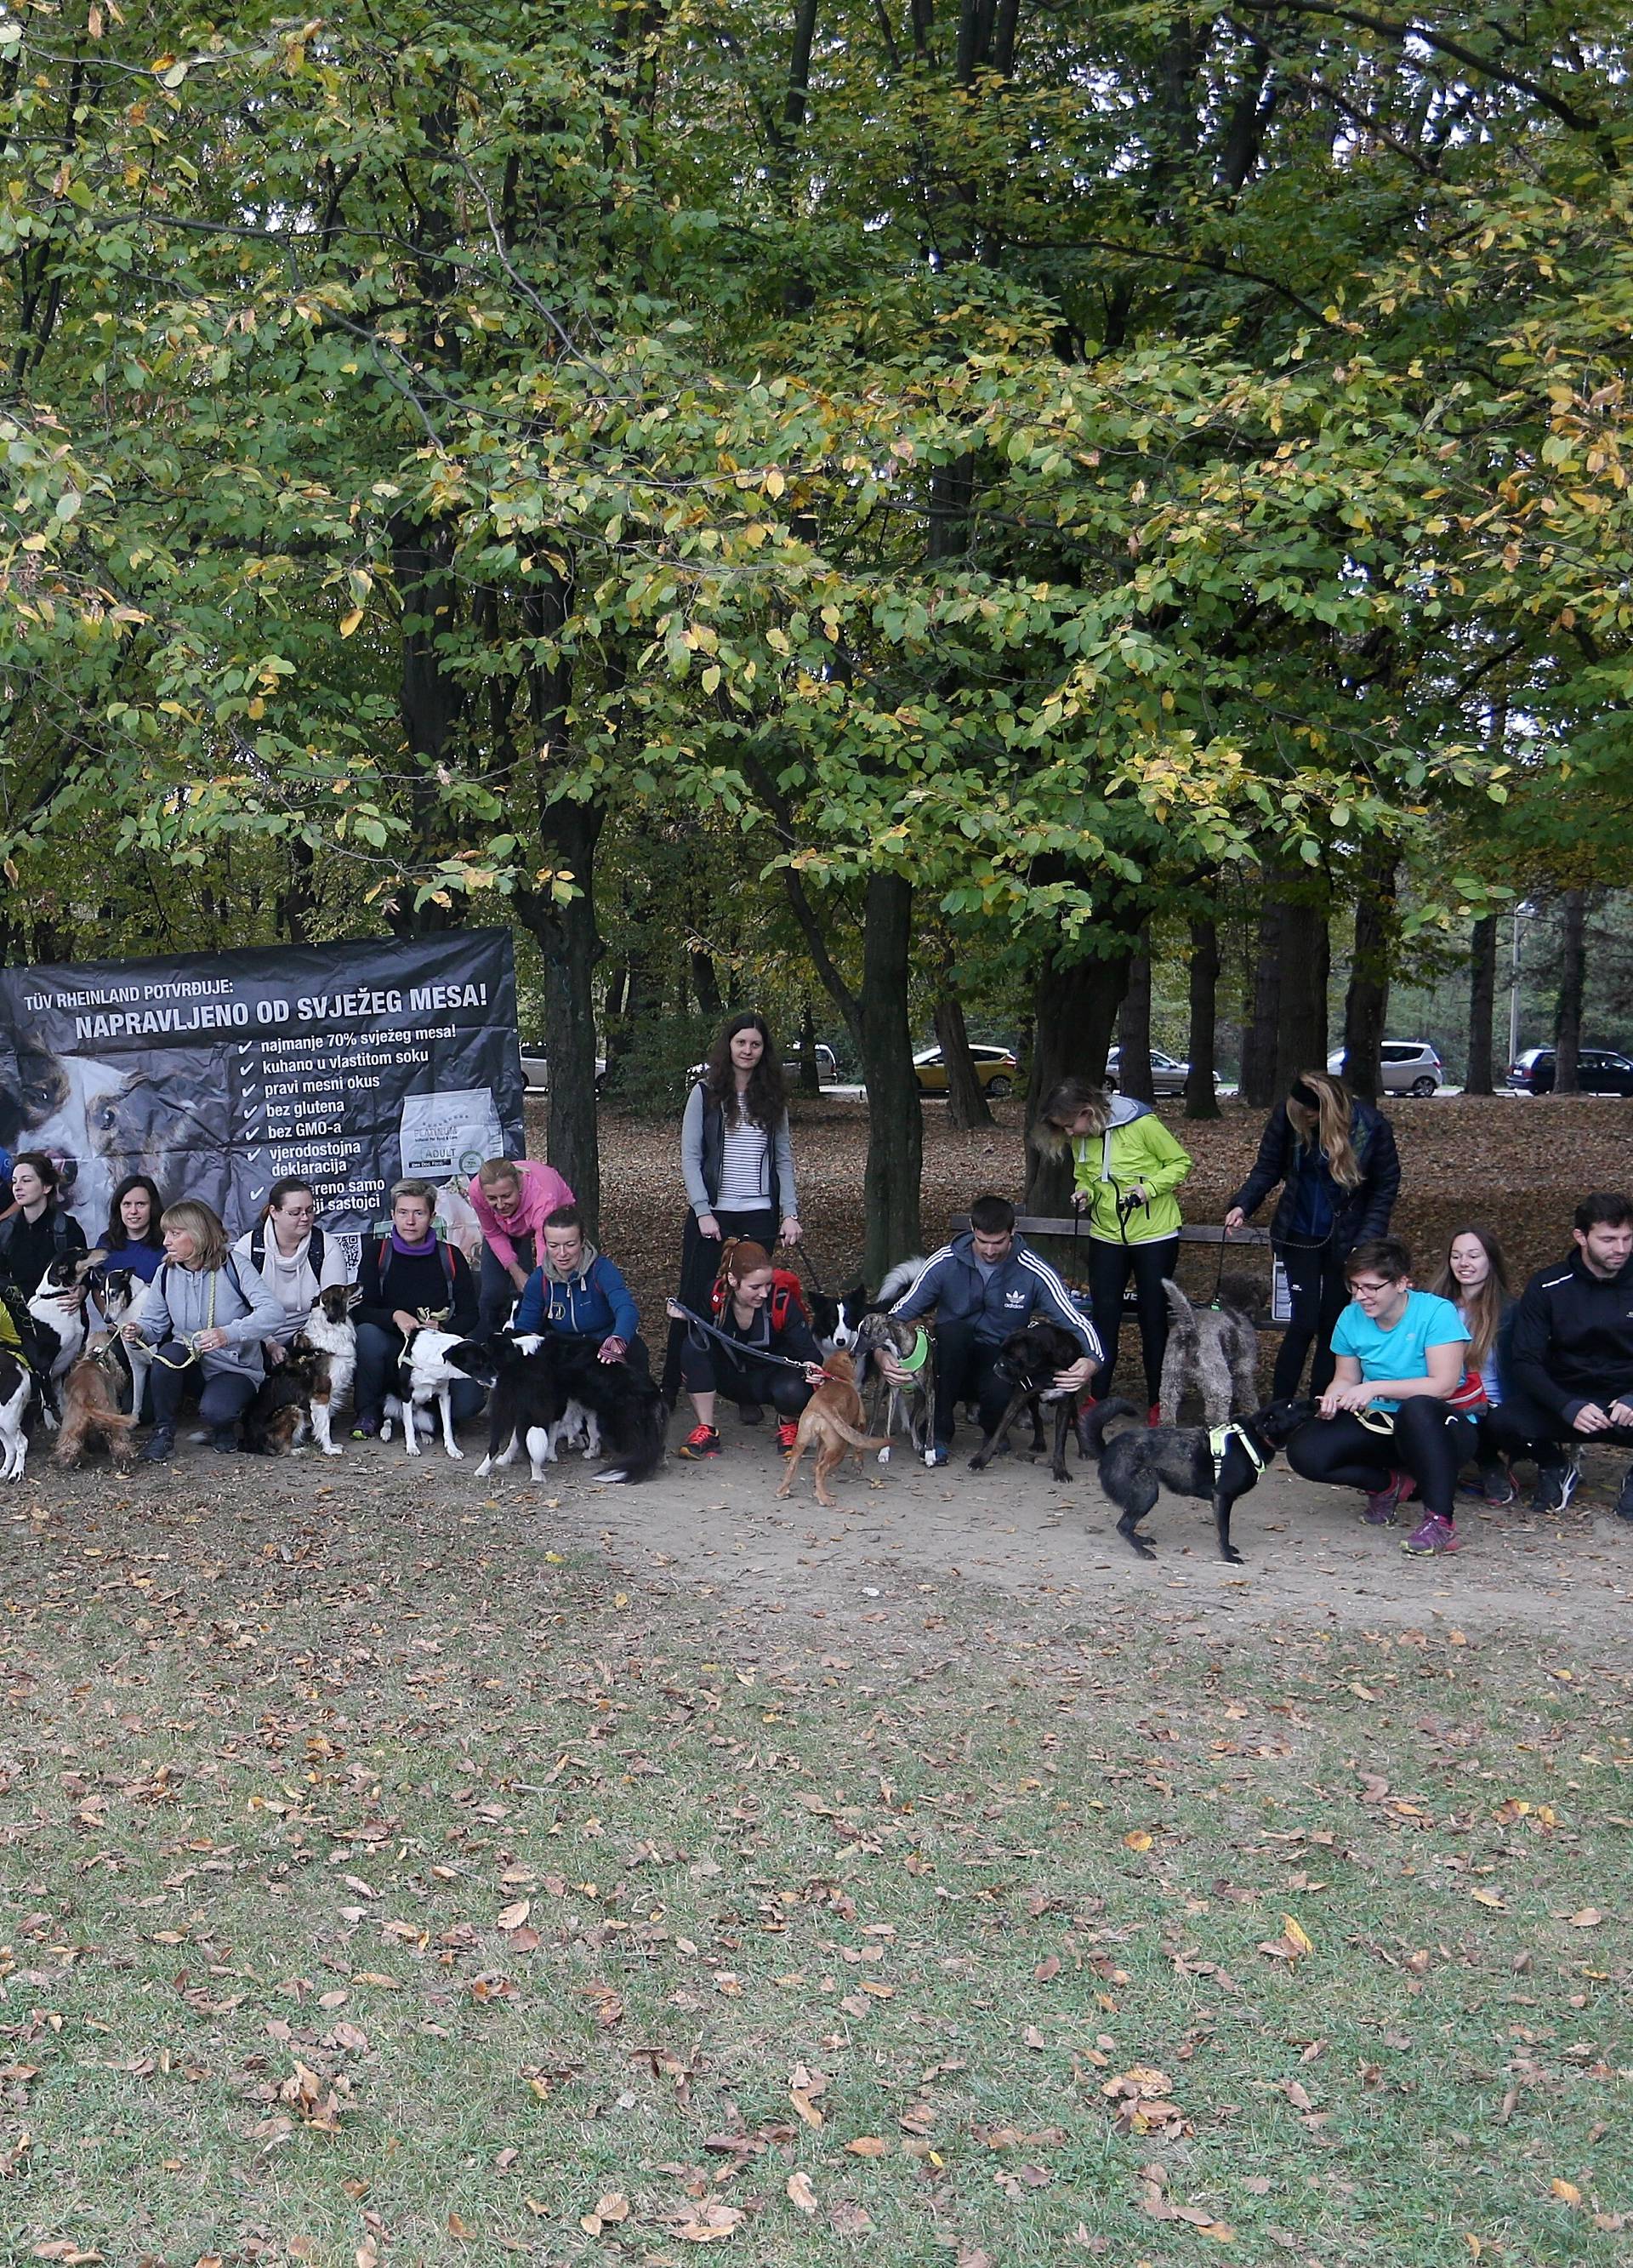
183 1300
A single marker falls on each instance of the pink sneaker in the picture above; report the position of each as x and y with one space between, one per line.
1382 1503
1432 1536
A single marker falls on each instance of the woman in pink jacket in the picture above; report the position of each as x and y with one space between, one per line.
512 1197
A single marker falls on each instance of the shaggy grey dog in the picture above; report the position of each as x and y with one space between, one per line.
1212 1351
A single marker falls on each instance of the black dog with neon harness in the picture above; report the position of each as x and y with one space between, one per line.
1218 1465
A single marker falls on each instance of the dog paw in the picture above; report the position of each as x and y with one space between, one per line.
1232 1556
333 1450
884 1456
458 1456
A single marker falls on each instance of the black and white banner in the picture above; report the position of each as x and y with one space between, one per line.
350 1066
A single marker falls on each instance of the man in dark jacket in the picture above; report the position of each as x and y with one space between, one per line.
578 1293
983 1285
1570 1373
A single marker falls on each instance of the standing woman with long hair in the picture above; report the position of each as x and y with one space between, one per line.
1126 1166
1334 1157
738 1161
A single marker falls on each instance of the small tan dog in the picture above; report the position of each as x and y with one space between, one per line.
833 1420
90 1411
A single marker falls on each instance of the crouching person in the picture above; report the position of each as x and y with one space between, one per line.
1570 1363
205 1315
982 1286
1390 1422
407 1279
758 1336
581 1296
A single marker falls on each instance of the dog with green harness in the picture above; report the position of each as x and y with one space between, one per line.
912 1404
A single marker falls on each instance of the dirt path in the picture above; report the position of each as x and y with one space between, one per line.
905 1549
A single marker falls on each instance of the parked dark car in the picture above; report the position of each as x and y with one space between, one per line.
1600 1071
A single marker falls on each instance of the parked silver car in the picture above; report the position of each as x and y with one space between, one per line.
1409 1067
1168 1075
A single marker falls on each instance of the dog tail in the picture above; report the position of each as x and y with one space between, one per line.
1093 1424
896 1283
641 1459
849 1434
1180 1308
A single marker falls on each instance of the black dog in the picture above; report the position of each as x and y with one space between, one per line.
1137 1466
541 1388
279 1418
1028 1362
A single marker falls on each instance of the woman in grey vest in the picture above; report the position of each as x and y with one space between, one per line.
738 1162
206 1314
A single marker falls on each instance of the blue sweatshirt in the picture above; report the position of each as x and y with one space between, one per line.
594 1304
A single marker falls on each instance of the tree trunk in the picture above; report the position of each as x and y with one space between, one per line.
1134 1031
810 1077
705 984
1366 1003
1572 980
1201 1099
1075 1010
896 1125
1301 1026
967 1102
1482 1004
570 942
1258 1077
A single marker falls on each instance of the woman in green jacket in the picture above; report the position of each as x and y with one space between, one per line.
1126 1168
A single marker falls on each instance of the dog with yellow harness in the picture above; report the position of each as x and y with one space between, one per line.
912 1399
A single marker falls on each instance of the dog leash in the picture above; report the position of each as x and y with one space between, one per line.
739 1350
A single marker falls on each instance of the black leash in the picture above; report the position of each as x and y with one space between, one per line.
802 1252
740 1350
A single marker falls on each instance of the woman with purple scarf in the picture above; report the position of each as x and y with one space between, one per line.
407 1279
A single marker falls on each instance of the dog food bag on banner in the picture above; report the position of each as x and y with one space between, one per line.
452 1133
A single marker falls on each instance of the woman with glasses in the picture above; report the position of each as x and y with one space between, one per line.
294 1258
1397 1420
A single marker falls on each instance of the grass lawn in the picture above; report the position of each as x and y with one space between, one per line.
406 1891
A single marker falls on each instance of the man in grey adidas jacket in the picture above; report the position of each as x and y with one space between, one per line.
983 1285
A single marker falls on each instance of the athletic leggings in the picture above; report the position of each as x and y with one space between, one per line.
1428 1441
1319 1291
1110 1267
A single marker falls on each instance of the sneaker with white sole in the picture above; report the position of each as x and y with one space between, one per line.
1555 1486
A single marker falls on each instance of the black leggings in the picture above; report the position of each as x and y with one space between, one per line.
1319 1292
1110 1267
709 1369
1429 1441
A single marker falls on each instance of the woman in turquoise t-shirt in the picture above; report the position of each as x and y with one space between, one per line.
1385 1424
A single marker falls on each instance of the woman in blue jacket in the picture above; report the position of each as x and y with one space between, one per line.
1334 1157
578 1293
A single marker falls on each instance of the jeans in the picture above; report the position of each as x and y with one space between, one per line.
1429 1441
222 1395
379 1353
1110 1267
964 1368
496 1294
1320 1292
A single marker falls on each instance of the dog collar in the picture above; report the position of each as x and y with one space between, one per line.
921 1350
1219 1440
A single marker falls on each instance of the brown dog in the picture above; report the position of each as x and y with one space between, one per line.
91 1412
833 1420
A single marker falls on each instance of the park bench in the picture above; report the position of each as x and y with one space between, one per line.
1069 1232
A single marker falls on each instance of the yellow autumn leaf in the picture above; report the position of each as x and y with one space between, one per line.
1138 1840
349 622
1567 2193
1486 1898
1294 1933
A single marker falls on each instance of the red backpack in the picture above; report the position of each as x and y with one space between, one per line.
785 1298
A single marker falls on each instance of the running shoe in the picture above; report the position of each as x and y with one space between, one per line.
1624 1501
787 1434
1382 1503
1153 1416
702 1442
1555 1486
1497 1485
1432 1537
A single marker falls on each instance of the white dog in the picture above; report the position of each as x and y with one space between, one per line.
424 1377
